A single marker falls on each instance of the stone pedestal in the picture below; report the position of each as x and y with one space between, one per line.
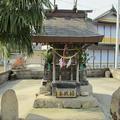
51 88
76 103
73 95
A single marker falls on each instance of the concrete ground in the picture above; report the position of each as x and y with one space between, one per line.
26 90
65 114
103 89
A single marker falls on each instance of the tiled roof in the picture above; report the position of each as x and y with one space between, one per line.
68 26
74 27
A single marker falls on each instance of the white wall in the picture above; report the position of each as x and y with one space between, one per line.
108 30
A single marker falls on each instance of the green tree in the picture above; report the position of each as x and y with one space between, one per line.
18 19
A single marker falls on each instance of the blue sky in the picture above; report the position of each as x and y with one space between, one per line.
98 6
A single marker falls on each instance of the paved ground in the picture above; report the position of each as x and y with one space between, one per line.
26 89
65 114
103 89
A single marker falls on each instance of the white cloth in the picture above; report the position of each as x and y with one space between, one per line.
61 63
69 62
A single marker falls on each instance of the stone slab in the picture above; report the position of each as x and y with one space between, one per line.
65 114
9 106
52 102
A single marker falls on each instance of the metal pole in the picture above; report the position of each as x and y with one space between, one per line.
117 36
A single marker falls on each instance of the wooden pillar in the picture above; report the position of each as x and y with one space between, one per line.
72 73
77 71
53 67
60 78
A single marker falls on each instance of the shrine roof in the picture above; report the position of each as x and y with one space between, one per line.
68 28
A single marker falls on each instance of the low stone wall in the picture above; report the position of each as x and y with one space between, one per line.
115 73
4 76
96 72
35 74
28 74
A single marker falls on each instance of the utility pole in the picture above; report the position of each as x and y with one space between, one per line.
117 35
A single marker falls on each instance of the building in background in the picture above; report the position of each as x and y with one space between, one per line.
104 53
106 25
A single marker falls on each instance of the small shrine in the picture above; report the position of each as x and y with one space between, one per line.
68 33
65 68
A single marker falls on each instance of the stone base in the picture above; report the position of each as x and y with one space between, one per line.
76 103
86 89
83 89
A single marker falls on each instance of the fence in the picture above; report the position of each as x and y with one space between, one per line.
102 58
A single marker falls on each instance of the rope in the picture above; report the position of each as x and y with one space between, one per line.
69 57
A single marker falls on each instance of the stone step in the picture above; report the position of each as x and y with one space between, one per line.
65 114
75 103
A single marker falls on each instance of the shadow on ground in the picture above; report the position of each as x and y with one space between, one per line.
104 103
8 85
35 117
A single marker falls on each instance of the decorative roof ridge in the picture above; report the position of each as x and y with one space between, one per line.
68 13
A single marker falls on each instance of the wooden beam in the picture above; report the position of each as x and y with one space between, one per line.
72 73
54 66
67 49
69 39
